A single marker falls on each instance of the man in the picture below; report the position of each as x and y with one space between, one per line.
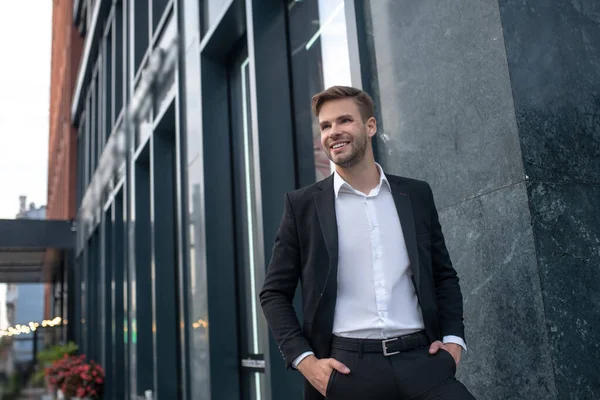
383 316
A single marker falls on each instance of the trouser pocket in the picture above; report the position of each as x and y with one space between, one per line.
450 360
330 383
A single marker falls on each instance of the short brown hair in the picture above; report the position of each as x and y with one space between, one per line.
360 97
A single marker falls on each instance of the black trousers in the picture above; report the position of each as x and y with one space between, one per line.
409 375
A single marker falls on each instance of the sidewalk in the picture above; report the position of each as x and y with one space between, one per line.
35 394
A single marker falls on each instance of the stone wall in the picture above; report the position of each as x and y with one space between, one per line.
496 105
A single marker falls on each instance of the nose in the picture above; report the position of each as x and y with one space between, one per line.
334 131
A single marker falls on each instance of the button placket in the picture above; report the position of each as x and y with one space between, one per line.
378 273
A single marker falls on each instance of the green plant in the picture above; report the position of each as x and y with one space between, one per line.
47 357
57 352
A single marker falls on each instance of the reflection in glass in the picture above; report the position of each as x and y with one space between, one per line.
320 60
199 308
211 11
252 233
197 284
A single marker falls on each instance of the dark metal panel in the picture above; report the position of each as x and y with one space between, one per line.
31 233
141 33
142 328
90 52
118 332
85 279
108 82
71 296
187 90
129 375
164 244
158 11
106 318
91 301
119 58
220 246
272 119
77 297
222 37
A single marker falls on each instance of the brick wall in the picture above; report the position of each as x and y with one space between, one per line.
67 47
62 158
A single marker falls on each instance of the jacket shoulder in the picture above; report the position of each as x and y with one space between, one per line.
306 192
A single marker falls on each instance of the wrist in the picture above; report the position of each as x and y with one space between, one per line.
306 363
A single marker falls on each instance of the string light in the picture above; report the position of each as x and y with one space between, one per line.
31 327
200 323
49 323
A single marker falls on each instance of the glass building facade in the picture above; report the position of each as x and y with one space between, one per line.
193 119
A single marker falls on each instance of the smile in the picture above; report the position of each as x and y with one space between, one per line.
339 145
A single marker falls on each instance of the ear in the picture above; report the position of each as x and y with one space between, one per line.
371 125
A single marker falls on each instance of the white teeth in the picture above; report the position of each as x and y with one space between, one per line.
337 146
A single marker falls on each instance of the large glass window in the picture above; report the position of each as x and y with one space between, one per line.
249 250
200 360
119 77
108 83
141 34
88 144
320 59
158 9
98 110
78 296
210 11
81 160
93 130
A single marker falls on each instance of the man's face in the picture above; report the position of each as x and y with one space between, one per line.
344 136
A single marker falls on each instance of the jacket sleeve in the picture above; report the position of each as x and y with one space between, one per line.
447 290
281 280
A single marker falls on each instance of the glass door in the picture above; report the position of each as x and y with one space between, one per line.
319 60
253 331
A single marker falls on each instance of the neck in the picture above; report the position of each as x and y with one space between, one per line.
363 177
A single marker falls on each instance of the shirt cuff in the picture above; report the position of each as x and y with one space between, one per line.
300 358
456 340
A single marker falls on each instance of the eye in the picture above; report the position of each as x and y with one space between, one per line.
344 120
324 127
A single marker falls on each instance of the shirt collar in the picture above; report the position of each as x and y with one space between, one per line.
339 182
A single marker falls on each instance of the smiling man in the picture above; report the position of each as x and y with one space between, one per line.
383 314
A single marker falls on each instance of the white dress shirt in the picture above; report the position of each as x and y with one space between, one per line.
376 298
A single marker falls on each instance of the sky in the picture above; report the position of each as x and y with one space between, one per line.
25 46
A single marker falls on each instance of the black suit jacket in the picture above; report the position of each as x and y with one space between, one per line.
306 249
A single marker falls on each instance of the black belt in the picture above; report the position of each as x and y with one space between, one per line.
387 347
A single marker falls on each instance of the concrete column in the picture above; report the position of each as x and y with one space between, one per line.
496 104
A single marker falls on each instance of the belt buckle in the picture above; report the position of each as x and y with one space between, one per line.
385 350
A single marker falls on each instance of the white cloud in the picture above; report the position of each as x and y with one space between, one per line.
25 45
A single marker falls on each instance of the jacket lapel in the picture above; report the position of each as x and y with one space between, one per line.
325 204
405 213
